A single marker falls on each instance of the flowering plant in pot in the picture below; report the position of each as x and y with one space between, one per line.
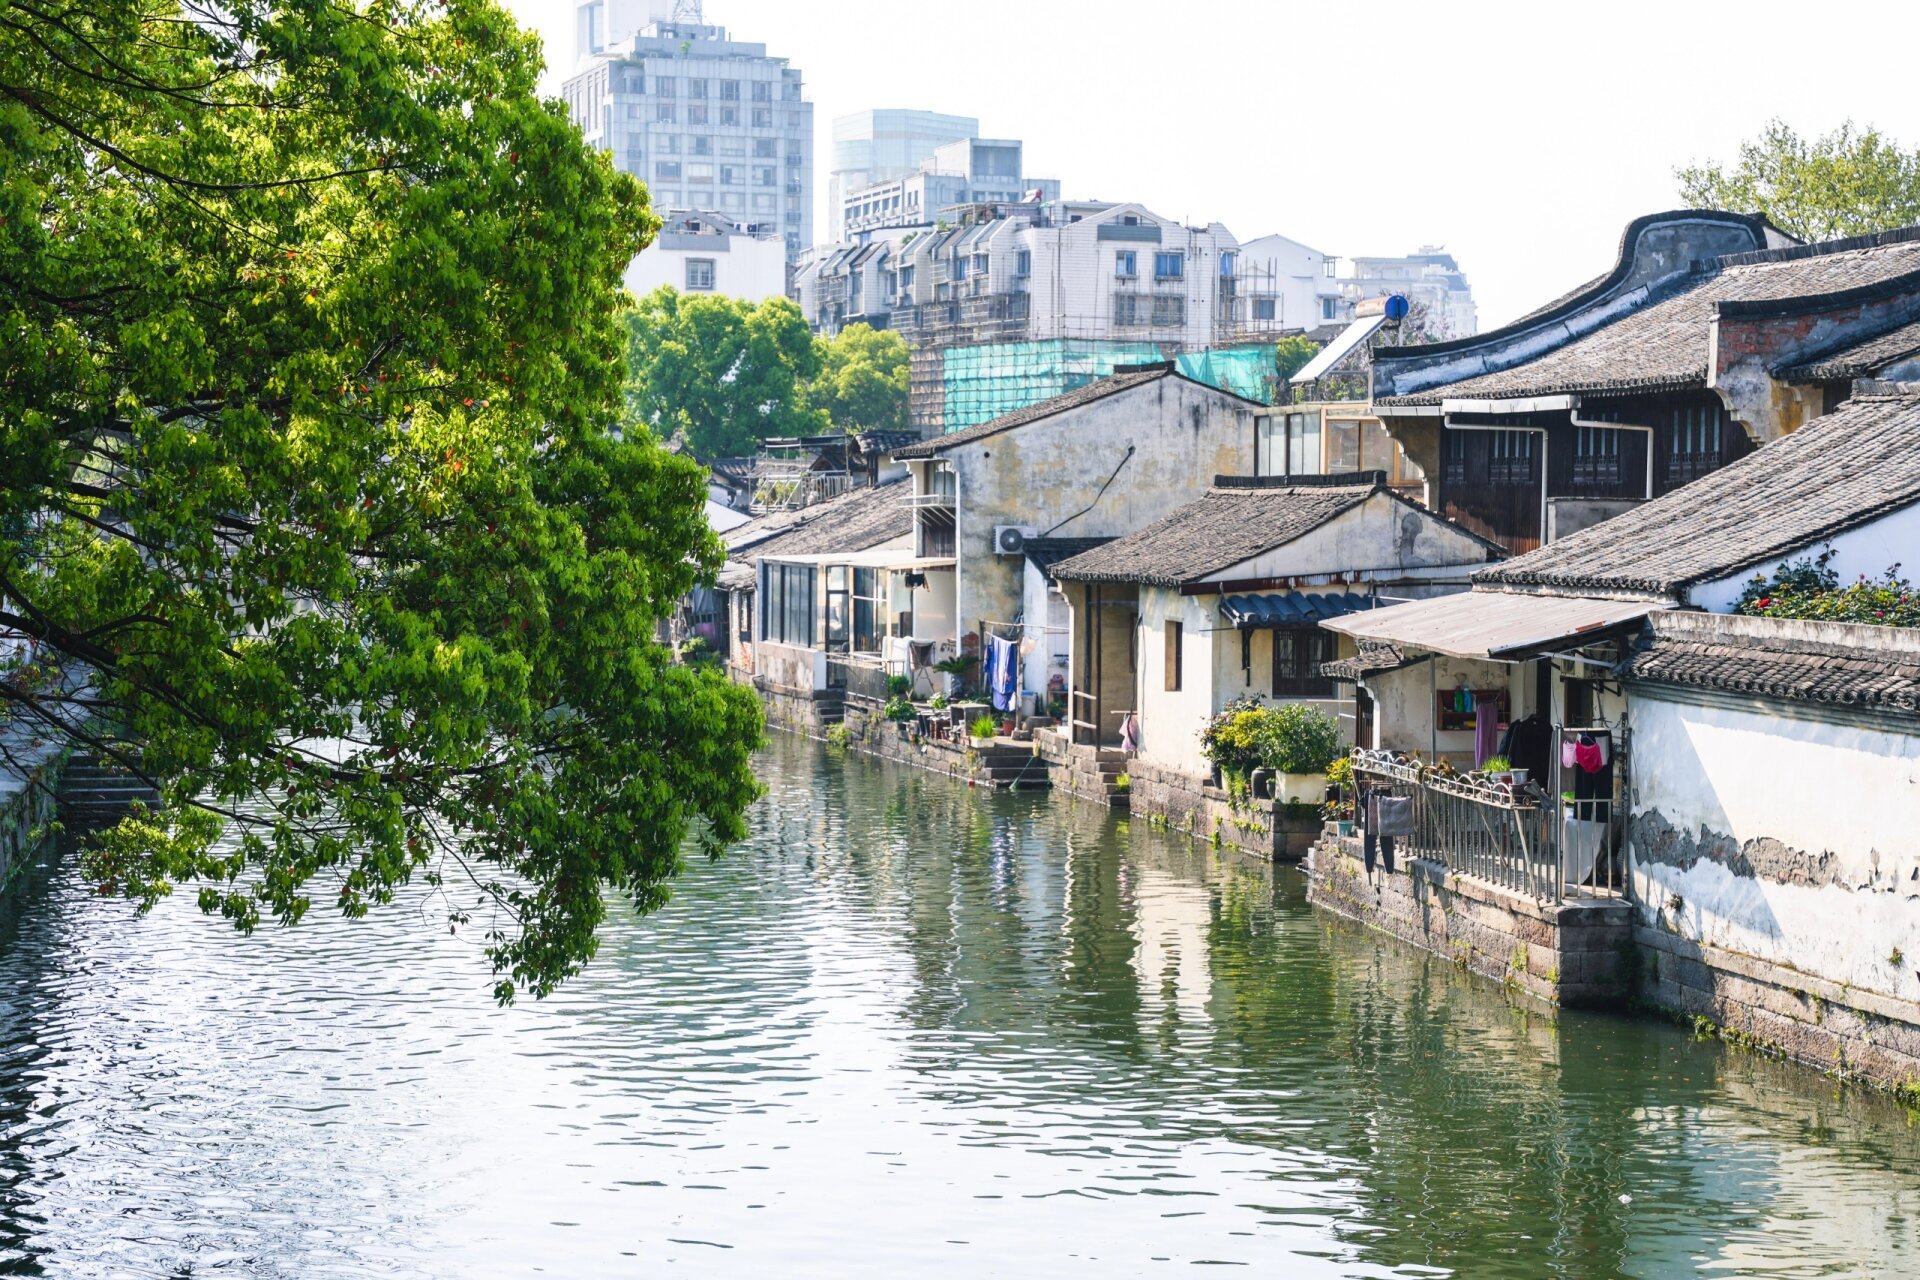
1301 744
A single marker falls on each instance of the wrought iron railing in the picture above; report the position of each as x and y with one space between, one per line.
1513 836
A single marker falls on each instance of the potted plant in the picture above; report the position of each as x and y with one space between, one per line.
1299 743
1499 769
1340 804
1231 741
983 727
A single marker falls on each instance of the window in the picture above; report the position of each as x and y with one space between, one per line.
1129 309
762 91
795 159
982 264
764 176
1328 265
1227 260
1125 264
1173 656
906 277
1455 471
1023 263
763 202
699 173
1263 309
1329 308
729 91
1287 444
959 267
1169 266
766 148
1697 443
664 113
787 603
663 87
1596 456
667 144
868 611
1510 457
667 170
697 113
699 274
731 175
763 117
1169 311
1297 655
729 115
700 146
696 88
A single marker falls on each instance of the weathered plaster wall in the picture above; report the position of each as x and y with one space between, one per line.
1045 613
1379 538
790 668
1171 720
1404 704
1745 349
1794 841
1870 549
1039 475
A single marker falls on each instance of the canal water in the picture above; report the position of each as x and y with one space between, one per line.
906 1030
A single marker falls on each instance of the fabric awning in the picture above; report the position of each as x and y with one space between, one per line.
1499 625
1289 608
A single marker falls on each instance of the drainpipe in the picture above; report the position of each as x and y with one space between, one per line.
1579 421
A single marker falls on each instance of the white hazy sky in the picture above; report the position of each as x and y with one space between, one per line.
1523 137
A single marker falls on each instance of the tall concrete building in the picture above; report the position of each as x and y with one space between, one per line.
886 145
971 171
708 122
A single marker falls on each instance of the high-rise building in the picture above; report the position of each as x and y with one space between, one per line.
707 122
872 147
972 171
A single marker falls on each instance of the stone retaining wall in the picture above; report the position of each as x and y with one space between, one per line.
1577 953
1186 803
28 802
1856 1034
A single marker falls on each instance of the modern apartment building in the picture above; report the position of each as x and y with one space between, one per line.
884 145
706 252
969 171
1431 278
708 122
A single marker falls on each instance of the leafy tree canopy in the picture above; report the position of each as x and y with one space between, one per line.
1293 353
724 373
310 464
862 383
1849 182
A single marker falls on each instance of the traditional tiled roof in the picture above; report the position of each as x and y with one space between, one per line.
1842 470
1236 520
1835 663
1374 657
1099 389
854 521
1664 344
1044 553
1857 359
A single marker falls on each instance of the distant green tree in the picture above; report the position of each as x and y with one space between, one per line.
1848 182
862 383
724 373
1293 352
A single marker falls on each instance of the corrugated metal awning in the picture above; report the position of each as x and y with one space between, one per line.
1289 608
1498 625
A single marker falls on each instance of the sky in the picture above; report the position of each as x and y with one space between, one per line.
1521 137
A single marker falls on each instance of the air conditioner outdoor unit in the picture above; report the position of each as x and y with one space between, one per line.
1010 540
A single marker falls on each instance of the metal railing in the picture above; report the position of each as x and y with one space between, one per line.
1513 836
862 675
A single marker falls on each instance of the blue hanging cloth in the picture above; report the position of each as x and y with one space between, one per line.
1003 674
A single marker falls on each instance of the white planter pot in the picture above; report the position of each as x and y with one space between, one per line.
1306 788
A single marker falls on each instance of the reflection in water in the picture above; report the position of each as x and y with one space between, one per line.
906 1029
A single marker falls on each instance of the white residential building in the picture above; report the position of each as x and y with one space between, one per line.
972 171
705 252
708 122
1430 277
1281 281
885 145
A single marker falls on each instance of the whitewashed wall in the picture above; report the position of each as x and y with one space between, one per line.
1870 549
1827 814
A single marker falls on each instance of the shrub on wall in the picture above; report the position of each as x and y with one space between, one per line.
1810 590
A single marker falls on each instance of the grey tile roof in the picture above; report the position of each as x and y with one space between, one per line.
1664 345
1100 389
1845 469
1839 664
1374 656
1858 359
853 521
1236 520
1044 553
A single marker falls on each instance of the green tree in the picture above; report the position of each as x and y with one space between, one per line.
724 373
1293 353
862 383
311 470
1844 183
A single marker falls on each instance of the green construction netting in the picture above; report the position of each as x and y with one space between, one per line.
983 382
